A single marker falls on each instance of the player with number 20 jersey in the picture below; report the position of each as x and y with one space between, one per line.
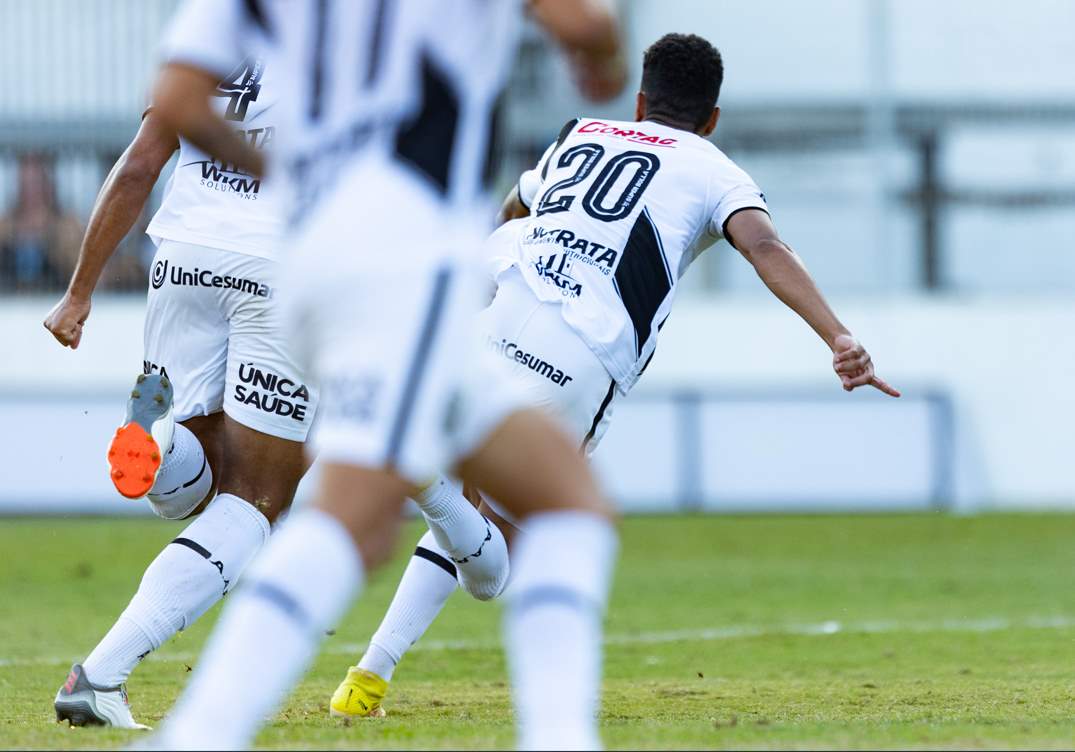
606 224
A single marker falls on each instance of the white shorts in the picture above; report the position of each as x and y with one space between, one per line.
552 365
214 328
383 302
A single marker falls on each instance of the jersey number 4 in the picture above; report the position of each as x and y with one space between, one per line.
596 201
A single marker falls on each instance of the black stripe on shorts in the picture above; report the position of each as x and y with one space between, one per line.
419 363
600 415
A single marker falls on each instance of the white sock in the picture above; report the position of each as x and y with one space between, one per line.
192 573
563 564
427 583
300 586
184 479
474 545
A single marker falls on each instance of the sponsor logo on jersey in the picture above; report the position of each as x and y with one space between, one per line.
163 272
227 178
633 135
576 248
555 270
272 393
535 363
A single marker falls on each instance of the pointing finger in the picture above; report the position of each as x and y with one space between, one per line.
879 383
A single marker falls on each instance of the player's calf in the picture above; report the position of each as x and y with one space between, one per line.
475 547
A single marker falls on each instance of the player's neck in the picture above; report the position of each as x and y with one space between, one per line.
667 123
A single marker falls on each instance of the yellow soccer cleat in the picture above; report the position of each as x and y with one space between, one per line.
359 695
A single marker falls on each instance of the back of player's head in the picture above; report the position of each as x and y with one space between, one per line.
681 78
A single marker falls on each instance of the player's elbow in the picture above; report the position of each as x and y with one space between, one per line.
139 168
765 249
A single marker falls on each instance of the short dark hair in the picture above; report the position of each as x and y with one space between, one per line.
681 78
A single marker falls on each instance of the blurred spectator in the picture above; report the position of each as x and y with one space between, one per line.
39 240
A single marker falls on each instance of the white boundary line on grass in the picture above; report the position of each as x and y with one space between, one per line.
822 628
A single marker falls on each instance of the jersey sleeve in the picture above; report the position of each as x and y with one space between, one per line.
531 180
734 191
207 34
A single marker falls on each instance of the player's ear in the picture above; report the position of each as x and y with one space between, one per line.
640 107
711 124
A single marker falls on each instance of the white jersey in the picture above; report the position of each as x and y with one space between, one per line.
209 203
618 212
414 80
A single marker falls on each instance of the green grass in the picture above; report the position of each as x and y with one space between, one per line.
934 632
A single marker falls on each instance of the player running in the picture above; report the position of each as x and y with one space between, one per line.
616 211
221 405
388 108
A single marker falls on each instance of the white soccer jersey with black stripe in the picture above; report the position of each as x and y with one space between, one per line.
417 80
618 212
210 203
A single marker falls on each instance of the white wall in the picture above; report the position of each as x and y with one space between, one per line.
1005 364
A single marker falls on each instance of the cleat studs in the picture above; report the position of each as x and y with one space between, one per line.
149 438
141 378
135 394
147 478
117 474
165 383
158 398
155 457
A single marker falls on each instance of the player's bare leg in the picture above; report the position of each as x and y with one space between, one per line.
562 565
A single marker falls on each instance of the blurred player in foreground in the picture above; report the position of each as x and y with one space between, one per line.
213 339
388 108
616 211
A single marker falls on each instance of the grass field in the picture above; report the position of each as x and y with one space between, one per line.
893 631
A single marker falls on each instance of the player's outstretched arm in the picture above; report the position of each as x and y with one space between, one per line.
751 231
181 97
118 206
590 35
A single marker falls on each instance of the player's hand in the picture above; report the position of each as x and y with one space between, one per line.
66 320
853 365
599 80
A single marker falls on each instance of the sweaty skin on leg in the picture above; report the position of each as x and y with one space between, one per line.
261 469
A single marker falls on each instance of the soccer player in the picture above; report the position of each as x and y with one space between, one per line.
218 420
388 110
614 213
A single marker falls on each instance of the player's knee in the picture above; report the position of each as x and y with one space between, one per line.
185 501
487 589
484 573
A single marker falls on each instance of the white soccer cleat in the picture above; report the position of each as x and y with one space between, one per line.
81 703
139 445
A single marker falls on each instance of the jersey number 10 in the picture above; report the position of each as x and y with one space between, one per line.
595 201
